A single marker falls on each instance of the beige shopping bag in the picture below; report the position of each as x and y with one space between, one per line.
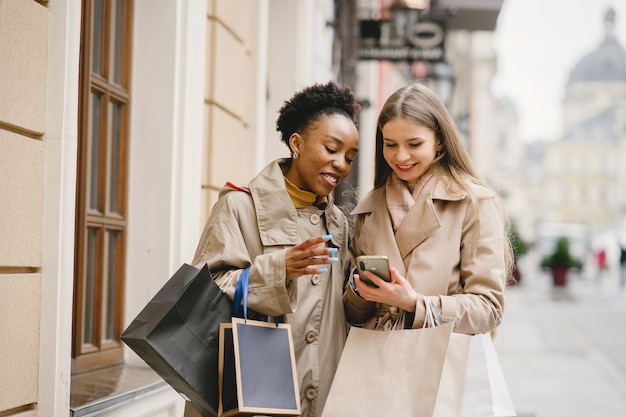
390 373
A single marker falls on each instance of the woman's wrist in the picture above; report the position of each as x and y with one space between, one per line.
410 305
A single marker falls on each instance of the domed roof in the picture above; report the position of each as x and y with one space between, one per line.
606 63
596 128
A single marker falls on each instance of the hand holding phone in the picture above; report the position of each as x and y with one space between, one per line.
378 265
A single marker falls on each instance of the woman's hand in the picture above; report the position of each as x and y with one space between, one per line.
398 292
303 258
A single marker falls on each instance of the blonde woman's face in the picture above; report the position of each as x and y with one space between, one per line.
409 148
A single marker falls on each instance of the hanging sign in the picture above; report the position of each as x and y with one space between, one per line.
384 40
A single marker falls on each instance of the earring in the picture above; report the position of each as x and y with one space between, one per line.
296 155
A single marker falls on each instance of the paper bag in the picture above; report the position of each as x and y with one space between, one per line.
257 364
389 373
452 381
177 335
485 393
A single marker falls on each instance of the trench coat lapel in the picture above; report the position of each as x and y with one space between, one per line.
378 226
420 222
276 215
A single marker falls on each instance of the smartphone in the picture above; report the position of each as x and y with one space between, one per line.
378 265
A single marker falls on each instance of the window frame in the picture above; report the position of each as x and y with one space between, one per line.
101 351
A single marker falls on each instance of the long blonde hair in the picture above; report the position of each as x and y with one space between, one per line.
453 164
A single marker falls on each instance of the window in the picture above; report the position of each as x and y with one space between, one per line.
101 184
565 164
583 194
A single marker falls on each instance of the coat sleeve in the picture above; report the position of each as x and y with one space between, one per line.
230 243
357 309
479 305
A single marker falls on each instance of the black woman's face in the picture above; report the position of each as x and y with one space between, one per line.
326 151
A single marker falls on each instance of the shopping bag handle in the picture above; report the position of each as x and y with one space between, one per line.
241 295
432 317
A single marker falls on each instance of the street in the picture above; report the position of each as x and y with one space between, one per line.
563 351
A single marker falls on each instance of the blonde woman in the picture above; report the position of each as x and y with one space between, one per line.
442 227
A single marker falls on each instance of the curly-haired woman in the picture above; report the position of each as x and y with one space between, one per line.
285 227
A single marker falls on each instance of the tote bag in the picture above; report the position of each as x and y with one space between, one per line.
257 365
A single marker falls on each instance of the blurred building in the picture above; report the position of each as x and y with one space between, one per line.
515 171
584 174
462 77
120 120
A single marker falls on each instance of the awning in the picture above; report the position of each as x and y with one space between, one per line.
471 14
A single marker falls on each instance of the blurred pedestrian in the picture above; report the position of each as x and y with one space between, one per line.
622 266
285 227
600 263
443 228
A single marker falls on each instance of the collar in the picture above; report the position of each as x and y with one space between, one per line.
276 215
375 198
299 198
422 218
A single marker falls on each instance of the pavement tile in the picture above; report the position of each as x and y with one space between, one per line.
563 351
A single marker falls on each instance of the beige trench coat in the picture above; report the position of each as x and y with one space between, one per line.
442 252
254 229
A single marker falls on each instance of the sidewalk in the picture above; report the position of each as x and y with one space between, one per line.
563 353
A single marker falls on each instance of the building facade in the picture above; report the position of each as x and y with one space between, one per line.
120 120
583 171
462 79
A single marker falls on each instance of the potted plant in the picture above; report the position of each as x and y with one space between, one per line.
560 261
519 248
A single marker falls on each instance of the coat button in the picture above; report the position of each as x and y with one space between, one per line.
311 336
310 393
315 279
315 218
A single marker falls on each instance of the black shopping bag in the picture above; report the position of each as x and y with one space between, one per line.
177 335
257 366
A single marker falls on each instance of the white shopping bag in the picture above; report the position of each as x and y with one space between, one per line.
485 392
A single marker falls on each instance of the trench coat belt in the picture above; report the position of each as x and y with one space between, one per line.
386 319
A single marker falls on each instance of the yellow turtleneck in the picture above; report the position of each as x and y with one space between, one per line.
299 198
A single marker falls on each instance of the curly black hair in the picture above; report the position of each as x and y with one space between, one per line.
309 104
